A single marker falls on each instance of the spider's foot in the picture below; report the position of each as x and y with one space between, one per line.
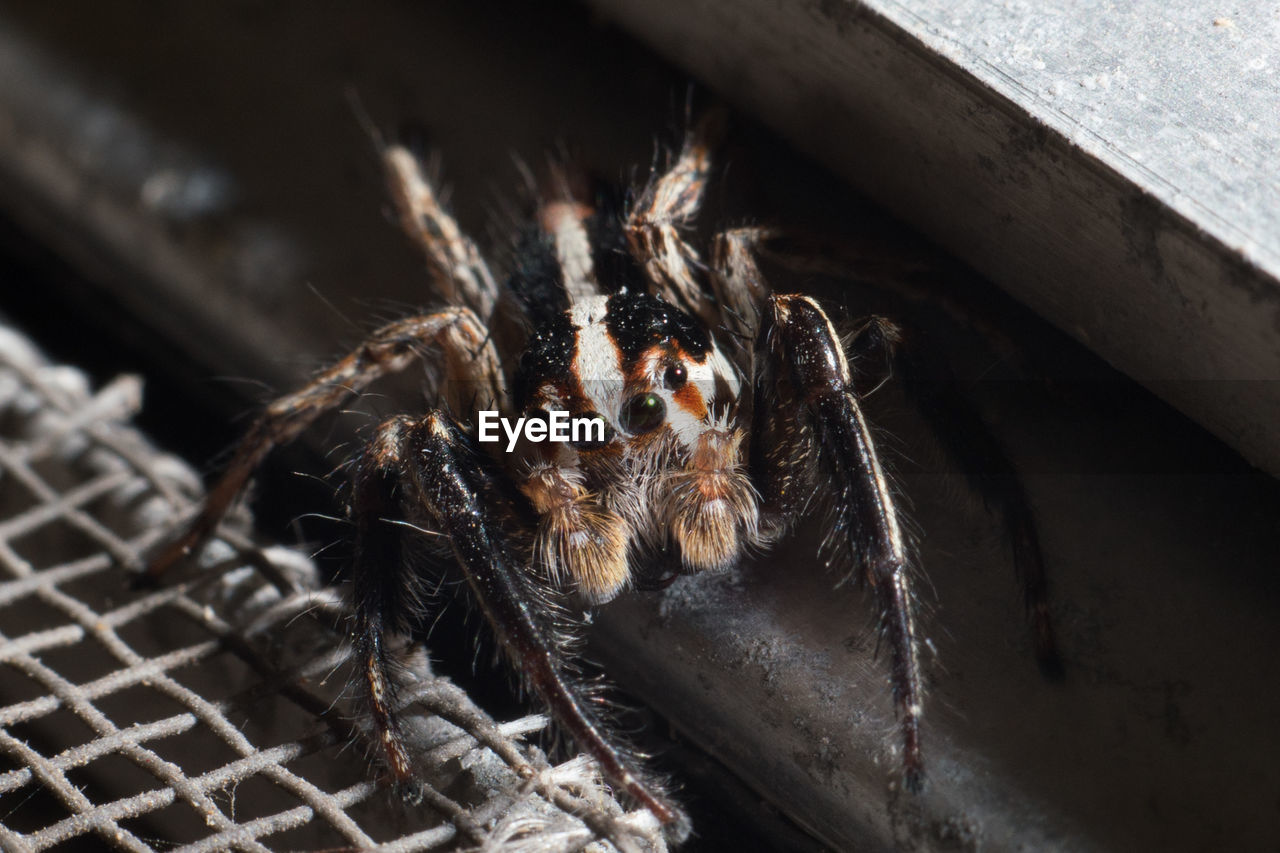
678 830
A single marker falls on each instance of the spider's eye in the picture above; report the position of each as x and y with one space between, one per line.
643 413
594 437
675 377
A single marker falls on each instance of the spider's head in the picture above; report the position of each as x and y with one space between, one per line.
669 466
647 369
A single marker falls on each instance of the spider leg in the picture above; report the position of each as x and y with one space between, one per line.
443 481
385 591
807 414
476 380
960 429
458 269
667 206
969 441
738 285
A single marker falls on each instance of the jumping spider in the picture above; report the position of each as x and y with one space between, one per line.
723 408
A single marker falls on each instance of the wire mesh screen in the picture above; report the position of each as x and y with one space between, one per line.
210 714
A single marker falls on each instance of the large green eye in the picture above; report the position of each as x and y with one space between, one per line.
642 413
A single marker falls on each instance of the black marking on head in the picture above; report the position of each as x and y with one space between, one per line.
616 269
537 280
637 321
722 394
547 357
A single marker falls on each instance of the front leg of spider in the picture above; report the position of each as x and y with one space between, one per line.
455 333
807 423
429 472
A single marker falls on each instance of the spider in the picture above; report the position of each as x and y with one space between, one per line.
720 408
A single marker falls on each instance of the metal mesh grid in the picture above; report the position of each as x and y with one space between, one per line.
210 714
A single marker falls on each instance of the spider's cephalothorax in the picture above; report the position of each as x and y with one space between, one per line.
702 447
668 469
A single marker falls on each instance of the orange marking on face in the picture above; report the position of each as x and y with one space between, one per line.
690 399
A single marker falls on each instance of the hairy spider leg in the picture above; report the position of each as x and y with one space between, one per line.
444 483
458 270
383 578
807 412
668 205
470 362
969 442
931 385
740 290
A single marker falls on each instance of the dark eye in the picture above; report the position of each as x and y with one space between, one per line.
675 377
593 437
642 413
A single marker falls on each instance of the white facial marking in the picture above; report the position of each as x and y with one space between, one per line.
598 362
563 221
